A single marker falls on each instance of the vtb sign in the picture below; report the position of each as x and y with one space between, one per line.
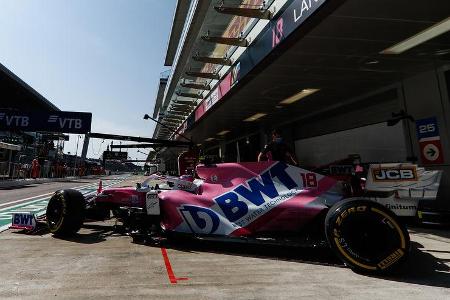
60 121
66 122
15 120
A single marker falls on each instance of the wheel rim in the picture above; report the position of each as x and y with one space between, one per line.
55 212
371 240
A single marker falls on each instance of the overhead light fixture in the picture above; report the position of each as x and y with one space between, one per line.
372 62
294 98
209 139
255 117
223 132
421 37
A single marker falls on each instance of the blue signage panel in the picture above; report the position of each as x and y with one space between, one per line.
276 31
272 35
427 128
58 121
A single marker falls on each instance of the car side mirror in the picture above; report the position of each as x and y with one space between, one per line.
138 186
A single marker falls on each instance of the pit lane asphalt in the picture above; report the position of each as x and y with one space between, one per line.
100 264
34 197
10 194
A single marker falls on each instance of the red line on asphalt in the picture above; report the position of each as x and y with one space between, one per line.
172 278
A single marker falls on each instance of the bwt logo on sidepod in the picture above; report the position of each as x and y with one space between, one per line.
255 194
234 208
17 121
62 122
200 219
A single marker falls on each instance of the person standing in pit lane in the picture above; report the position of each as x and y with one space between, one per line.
35 168
278 150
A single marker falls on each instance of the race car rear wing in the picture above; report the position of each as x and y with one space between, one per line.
405 179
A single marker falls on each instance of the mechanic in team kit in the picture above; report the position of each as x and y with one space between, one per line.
278 149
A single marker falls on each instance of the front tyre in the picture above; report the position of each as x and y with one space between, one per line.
366 236
65 212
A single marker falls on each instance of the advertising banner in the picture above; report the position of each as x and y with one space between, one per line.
271 36
58 121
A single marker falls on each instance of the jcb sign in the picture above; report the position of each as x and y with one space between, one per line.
395 174
58 121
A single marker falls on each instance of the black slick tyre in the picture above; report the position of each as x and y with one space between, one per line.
65 212
366 236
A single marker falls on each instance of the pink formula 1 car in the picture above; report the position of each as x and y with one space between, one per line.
250 202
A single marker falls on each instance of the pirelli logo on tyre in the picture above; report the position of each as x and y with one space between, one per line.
391 259
389 174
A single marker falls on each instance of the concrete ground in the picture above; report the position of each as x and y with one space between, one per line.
98 264
20 183
34 197
35 189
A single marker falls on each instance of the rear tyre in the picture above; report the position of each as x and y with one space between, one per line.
366 236
65 212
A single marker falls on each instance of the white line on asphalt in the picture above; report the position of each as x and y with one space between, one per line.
3 228
76 188
25 199
114 182
41 197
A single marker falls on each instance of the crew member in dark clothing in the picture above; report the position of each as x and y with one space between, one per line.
278 149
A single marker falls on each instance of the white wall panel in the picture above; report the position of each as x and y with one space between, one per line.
375 143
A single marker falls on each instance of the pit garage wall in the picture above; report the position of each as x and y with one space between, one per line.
427 95
375 143
361 126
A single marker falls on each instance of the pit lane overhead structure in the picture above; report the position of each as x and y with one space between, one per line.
332 76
